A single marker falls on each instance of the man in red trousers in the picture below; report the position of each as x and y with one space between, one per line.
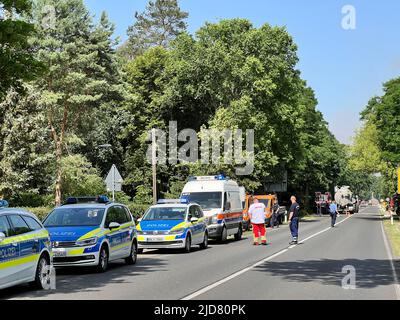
257 218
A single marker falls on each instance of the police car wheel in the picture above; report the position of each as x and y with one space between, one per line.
103 260
133 256
188 244
42 276
204 245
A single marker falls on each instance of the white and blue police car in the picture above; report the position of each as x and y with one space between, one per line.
173 224
25 250
91 231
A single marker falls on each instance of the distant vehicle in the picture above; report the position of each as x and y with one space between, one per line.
25 250
322 202
345 201
221 201
267 200
92 231
173 224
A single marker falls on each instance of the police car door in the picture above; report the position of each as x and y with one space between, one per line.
196 226
116 237
25 247
8 254
201 225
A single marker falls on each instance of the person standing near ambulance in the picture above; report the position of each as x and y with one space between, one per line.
257 218
294 220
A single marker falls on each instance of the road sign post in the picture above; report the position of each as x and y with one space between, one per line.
114 181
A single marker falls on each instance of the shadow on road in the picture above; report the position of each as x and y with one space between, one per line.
71 280
370 273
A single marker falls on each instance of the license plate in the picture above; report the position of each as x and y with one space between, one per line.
59 253
152 239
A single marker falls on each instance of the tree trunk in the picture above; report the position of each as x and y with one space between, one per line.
58 174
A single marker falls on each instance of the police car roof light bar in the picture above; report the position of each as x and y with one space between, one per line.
76 200
3 204
169 201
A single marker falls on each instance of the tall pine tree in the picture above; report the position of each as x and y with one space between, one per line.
162 21
80 66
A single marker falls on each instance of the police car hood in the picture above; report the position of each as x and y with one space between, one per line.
68 233
159 225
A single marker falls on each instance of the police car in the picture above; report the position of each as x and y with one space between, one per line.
25 250
91 231
173 224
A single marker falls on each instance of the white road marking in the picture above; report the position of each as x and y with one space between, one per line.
239 273
389 253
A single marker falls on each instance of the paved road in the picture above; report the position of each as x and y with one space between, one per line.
237 270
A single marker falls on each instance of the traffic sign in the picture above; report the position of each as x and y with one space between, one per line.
114 181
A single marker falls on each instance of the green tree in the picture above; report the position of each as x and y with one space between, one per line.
162 21
17 63
79 178
25 162
77 83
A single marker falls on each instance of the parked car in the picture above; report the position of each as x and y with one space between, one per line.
25 250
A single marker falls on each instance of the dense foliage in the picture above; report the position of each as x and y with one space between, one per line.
90 108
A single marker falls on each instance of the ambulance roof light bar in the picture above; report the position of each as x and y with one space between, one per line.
220 177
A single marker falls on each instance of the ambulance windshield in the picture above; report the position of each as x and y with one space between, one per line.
207 200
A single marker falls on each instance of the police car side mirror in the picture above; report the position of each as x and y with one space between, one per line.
2 236
113 225
194 219
139 220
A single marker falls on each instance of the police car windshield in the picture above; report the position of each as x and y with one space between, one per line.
75 217
165 213
207 200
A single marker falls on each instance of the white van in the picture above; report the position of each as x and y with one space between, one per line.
220 199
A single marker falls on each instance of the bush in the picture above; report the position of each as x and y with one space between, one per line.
137 210
40 212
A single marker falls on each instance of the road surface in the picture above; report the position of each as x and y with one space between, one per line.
240 271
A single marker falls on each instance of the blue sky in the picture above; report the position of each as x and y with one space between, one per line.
344 67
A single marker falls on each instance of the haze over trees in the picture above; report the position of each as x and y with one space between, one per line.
228 75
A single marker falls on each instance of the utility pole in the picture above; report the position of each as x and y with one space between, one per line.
154 164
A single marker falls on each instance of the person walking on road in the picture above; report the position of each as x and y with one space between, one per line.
333 211
257 218
294 220
275 213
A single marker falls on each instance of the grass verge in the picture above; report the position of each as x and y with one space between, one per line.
393 234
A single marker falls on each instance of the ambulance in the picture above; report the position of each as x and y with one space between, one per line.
221 201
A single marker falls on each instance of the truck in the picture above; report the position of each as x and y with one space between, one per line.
267 200
345 201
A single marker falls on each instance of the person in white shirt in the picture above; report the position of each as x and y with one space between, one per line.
257 218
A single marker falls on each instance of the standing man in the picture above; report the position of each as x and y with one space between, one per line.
275 213
333 210
257 218
294 220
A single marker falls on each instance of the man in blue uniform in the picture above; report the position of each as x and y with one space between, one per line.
294 220
333 210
